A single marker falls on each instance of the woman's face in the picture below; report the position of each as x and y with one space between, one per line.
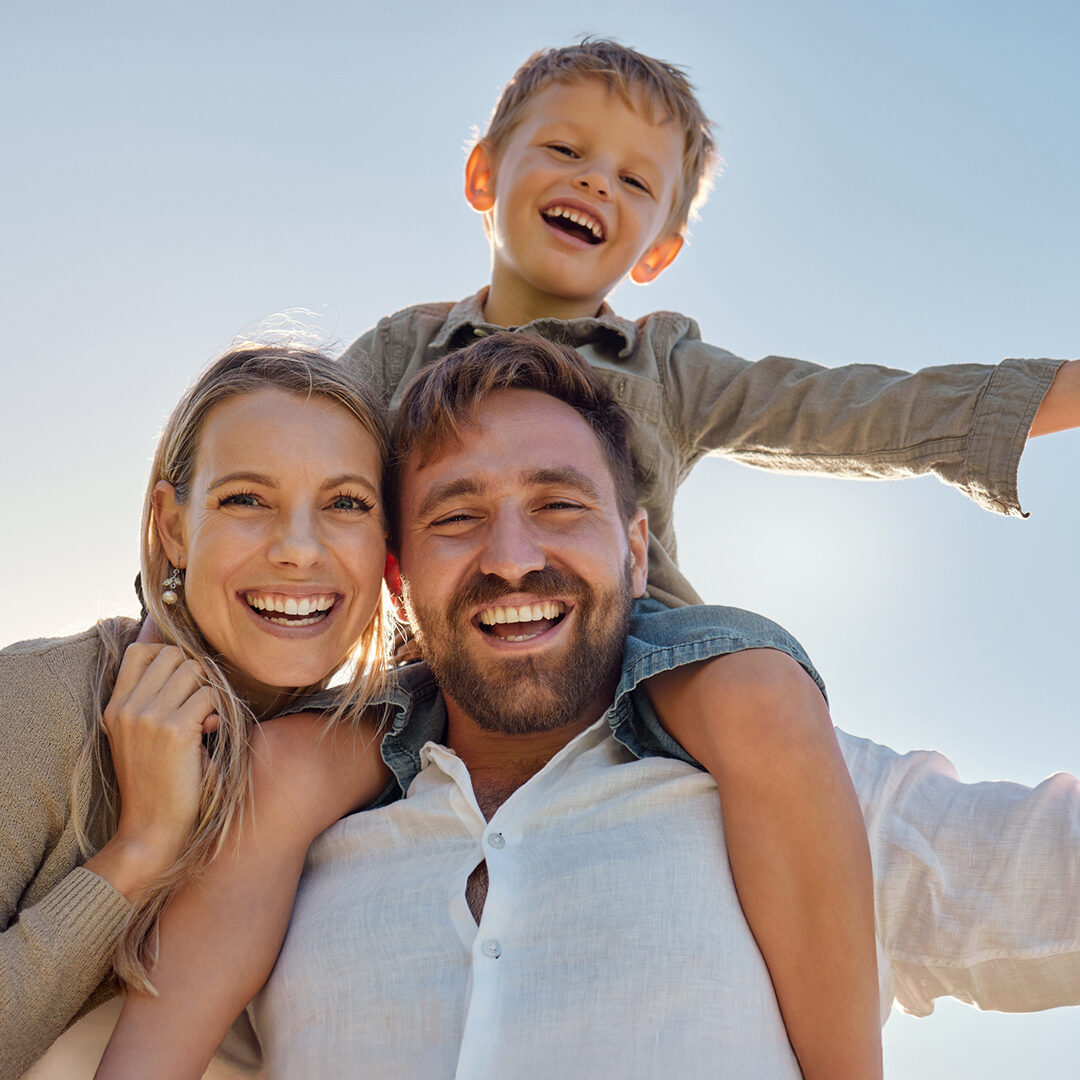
281 538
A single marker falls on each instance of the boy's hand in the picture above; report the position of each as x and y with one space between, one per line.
1060 408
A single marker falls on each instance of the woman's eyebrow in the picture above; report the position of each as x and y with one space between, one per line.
246 477
350 478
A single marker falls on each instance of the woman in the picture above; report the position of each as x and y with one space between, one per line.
123 764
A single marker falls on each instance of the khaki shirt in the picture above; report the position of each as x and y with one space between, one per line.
965 423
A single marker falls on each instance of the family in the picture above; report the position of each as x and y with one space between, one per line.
600 828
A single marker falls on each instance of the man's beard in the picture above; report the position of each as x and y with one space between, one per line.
532 693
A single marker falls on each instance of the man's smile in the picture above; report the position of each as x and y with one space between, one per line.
521 622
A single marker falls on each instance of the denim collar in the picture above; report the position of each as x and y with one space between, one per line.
420 715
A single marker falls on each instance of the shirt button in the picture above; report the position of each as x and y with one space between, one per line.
496 840
491 948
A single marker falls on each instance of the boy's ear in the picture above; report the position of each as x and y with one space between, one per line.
392 577
169 522
480 180
659 257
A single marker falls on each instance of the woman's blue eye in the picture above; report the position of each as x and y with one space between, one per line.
350 502
241 498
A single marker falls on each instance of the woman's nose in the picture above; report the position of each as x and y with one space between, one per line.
297 541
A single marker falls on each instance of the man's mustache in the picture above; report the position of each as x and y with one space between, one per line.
485 589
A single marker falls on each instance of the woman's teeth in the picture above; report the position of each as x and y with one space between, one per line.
290 610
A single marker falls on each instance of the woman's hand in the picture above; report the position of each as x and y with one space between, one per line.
155 721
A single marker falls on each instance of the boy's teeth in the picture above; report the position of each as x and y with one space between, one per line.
578 218
545 609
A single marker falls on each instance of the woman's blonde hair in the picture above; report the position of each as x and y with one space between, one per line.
242 370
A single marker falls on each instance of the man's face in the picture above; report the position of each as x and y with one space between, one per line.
518 570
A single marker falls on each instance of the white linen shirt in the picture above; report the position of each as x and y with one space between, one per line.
612 943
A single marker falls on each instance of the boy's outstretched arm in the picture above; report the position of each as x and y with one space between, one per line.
1060 408
797 845
221 934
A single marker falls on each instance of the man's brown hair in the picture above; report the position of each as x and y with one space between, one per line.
625 71
447 395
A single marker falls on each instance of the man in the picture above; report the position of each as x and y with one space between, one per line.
552 896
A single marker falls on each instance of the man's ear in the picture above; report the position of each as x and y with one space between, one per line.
169 522
480 179
639 550
658 258
392 577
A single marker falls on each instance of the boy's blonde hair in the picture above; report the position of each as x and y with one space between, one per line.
626 71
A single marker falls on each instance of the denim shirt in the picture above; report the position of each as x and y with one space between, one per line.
659 639
964 423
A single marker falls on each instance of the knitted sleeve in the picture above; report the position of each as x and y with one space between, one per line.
59 923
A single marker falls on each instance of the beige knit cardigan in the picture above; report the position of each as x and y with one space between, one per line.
59 923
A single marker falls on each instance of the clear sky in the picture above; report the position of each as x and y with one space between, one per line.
900 187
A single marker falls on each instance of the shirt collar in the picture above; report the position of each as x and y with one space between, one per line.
466 322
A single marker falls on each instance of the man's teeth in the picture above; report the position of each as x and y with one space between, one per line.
271 604
578 218
547 609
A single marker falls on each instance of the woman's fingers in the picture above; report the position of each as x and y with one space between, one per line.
153 683
137 658
155 722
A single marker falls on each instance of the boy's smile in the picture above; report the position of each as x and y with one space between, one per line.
578 198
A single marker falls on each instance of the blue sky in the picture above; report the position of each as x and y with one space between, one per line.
900 187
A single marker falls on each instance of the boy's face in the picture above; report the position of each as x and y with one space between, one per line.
580 152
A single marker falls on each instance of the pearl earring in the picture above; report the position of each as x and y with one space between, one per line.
169 586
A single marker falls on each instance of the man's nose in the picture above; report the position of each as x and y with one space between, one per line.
511 547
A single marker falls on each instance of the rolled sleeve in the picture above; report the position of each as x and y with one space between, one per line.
967 424
977 885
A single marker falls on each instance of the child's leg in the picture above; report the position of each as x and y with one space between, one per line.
797 845
221 933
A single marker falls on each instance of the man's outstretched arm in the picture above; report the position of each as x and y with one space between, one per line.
977 886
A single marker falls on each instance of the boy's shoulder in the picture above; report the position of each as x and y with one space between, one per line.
445 325
389 351
430 323
401 344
